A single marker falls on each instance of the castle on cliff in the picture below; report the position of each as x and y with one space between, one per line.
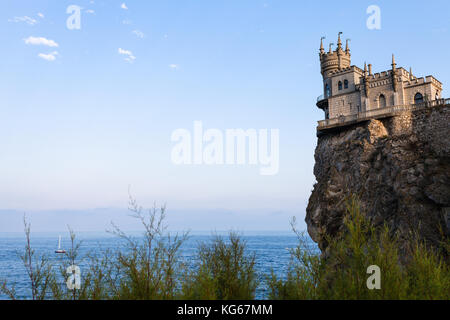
352 94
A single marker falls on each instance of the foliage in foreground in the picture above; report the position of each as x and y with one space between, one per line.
224 271
342 272
152 267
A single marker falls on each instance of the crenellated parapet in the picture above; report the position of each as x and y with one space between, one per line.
336 60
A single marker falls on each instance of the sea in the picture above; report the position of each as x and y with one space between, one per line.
272 251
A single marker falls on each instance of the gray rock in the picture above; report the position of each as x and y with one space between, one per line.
402 177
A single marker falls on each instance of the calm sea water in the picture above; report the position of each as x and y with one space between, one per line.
272 253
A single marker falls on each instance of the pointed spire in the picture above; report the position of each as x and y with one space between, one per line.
393 62
331 44
347 48
321 45
339 44
366 82
394 81
410 74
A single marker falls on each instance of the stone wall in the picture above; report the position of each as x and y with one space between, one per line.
427 89
344 104
400 169
381 87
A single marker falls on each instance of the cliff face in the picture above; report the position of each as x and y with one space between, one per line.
399 167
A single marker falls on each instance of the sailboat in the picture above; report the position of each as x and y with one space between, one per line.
59 250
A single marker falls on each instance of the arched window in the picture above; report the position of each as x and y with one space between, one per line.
382 101
340 85
327 90
437 95
418 98
345 84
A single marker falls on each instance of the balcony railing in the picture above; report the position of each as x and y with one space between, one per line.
377 113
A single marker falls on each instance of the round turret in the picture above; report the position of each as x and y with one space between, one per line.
334 60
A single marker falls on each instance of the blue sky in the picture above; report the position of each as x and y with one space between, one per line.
78 131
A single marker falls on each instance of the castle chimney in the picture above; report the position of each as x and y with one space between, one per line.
370 69
330 48
347 48
411 77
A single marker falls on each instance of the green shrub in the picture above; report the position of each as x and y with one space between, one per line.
147 268
38 268
225 271
428 274
341 272
150 268
303 276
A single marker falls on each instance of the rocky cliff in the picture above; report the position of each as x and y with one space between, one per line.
398 166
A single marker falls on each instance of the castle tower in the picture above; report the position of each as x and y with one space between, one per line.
356 94
334 60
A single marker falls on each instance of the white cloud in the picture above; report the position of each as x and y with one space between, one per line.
124 6
25 19
126 52
173 66
129 55
90 11
40 41
139 34
41 15
127 21
49 57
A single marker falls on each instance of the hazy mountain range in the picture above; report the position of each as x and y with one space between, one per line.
195 220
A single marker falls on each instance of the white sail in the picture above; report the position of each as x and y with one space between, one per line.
59 250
